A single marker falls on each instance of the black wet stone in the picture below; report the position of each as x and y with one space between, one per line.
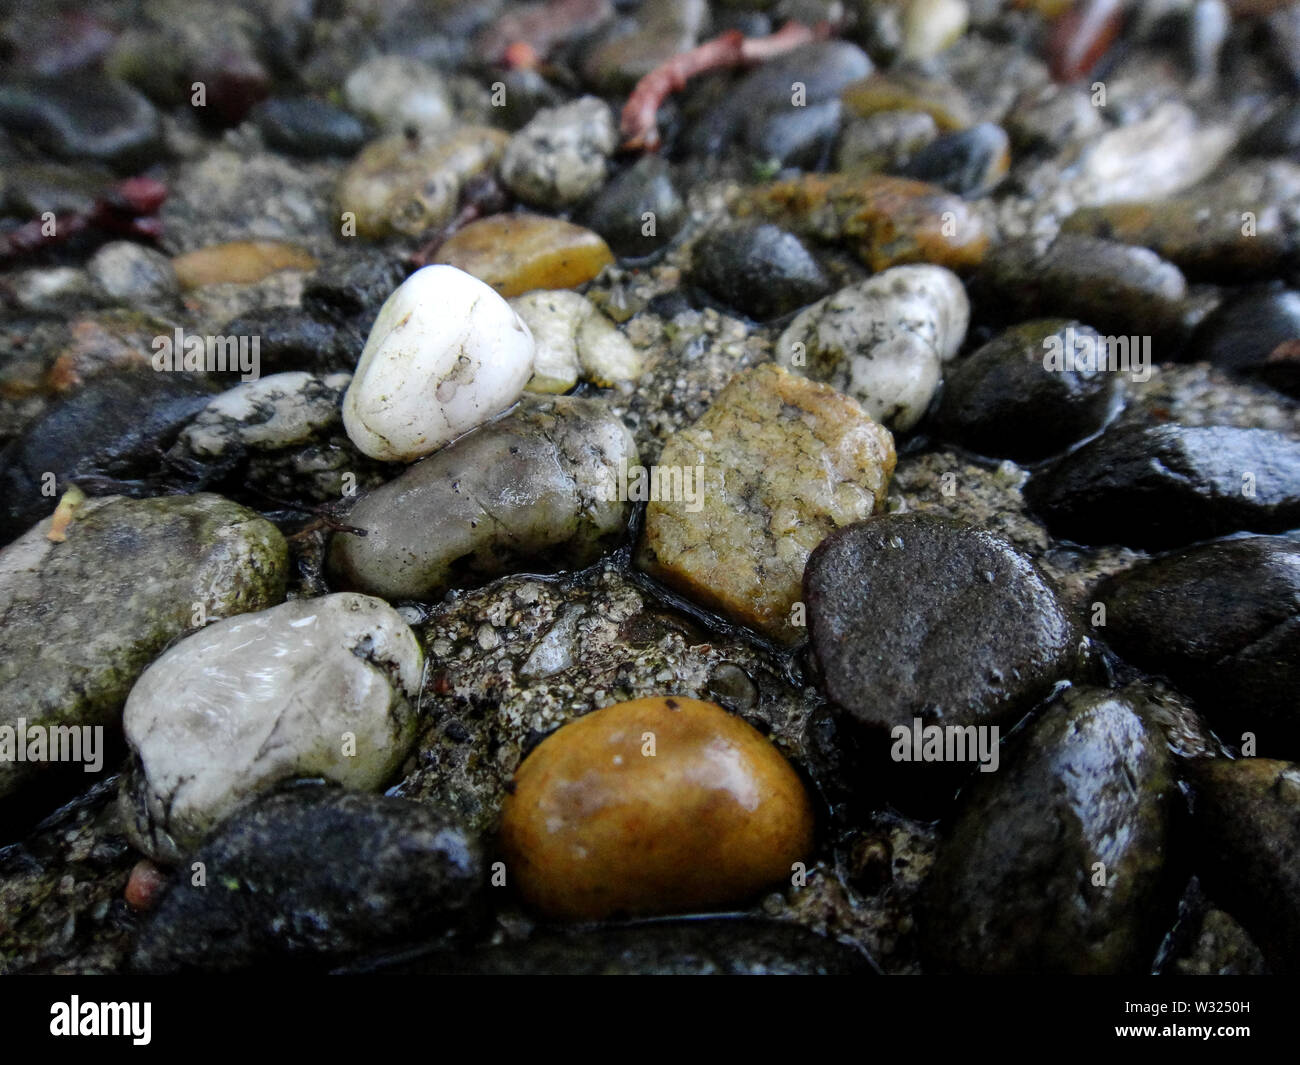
1170 485
1116 288
1016 887
308 127
760 114
760 270
969 162
1241 333
1247 818
312 876
618 211
1222 621
294 339
84 118
718 947
352 287
920 616
116 427
1004 402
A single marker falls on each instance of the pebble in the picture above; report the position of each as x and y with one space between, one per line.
662 30
1168 485
970 162
1002 401
659 805
134 573
887 221
694 947
920 616
1160 155
560 156
310 128
882 341
534 487
574 339
87 117
785 461
312 877
1017 886
931 26
1207 234
445 354
1222 620
760 270
408 186
905 90
54 289
639 211
272 412
310 688
398 93
1247 817
1278 135
1051 117
241 262
884 141
133 274
1116 288
111 427
520 252
1244 330
764 115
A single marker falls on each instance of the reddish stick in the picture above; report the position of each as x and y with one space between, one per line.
731 49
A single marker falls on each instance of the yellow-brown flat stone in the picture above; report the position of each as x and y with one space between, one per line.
241 262
887 221
784 461
517 253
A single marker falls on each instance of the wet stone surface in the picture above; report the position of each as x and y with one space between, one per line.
829 287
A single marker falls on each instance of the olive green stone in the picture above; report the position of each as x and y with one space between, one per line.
81 619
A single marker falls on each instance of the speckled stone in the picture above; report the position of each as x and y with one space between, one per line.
520 252
785 460
400 185
560 156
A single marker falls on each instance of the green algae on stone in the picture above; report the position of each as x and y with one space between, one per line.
779 462
80 620
1056 863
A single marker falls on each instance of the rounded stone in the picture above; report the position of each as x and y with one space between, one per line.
312 688
760 270
882 341
1003 401
445 354
659 805
919 616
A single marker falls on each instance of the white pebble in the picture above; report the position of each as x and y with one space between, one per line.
445 354
322 687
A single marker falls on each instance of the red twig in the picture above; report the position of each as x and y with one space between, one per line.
731 49
125 209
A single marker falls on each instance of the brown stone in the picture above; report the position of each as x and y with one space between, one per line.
517 253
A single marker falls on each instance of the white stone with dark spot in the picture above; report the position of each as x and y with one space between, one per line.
311 688
272 412
882 341
559 157
445 354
